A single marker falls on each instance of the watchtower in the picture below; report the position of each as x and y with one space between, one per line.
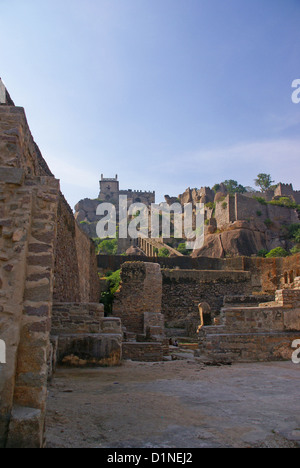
109 189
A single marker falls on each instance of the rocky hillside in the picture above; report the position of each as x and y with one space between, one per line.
244 223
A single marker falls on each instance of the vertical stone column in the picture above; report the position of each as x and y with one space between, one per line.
140 294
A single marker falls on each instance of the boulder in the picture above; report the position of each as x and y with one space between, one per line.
234 242
135 251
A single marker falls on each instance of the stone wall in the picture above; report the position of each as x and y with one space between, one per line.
286 190
248 208
28 232
72 318
270 274
248 347
146 352
28 211
76 278
36 227
114 262
140 292
83 337
183 290
224 213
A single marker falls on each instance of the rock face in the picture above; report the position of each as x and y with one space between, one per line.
234 243
241 238
135 251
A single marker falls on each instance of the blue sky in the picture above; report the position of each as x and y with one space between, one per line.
166 93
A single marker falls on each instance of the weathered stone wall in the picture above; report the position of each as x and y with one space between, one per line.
83 337
248 208
114 262
28 212
138 196
223 213
247 347
17 147
140 292
147 352
286 190
72 318
183 290
270 274
255 319
35 222
28 232
76 278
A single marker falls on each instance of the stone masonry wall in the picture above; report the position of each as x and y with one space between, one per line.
269 274
35 221
28 232
72 318
248 208
146 352
183 290
76 278
140 292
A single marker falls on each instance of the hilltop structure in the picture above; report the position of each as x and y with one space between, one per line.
85 210
110 192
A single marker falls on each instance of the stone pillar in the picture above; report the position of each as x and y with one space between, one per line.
140 293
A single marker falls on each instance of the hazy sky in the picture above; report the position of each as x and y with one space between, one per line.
166 93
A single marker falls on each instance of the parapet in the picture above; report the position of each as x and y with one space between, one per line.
137 192
107 179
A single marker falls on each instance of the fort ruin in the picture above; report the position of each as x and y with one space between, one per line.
50 311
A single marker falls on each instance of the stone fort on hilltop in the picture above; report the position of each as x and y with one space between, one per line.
85 210
110 192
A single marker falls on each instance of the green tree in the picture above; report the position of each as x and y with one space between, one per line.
234 187
295 250
278 252
108 296
108 246
182 249
262 253
264 181
164 252
216 188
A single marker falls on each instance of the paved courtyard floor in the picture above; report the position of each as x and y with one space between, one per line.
176 404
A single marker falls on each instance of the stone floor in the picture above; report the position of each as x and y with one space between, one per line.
176 404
